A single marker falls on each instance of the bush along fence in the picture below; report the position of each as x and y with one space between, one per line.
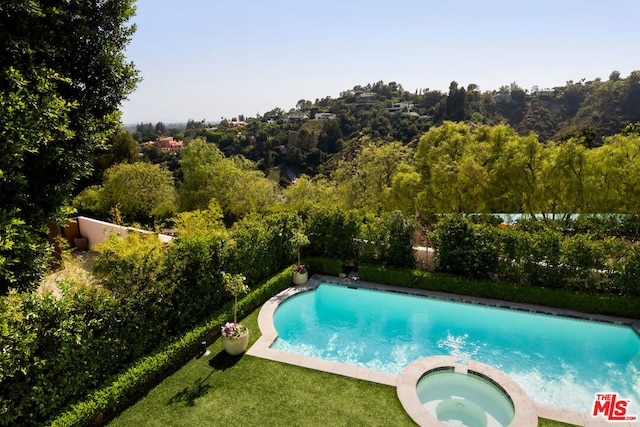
541 254
606 304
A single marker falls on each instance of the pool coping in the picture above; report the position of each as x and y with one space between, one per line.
261 348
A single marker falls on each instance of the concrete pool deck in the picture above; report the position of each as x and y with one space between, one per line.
261 348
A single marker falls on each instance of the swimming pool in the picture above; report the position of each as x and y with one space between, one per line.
557 361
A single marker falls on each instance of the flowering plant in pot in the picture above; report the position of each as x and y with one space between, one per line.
234 330
235 336
300 272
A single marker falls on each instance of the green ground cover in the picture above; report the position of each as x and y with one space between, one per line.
243 390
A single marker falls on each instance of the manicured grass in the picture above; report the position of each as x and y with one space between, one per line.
243 390
248 391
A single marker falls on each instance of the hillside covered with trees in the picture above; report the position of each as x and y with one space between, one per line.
589 109
312 137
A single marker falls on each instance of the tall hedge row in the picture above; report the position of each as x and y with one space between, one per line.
541 254
361 237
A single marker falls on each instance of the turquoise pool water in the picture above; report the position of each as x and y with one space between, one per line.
557 361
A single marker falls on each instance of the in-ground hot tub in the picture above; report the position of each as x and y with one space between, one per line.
464 399
437 391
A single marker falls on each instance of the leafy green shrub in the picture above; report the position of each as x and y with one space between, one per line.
131 264
630 227
629 278
318 265
542 258
607 304
400 231
192 271
24 254
585 257
57 348
333 232
386 238
464 248
260 246
514 248
583 252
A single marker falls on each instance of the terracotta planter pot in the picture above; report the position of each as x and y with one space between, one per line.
235 346
300 278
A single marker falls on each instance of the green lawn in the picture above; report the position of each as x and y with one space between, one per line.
247 391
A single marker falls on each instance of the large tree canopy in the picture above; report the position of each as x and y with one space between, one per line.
233 182
141 191
63 76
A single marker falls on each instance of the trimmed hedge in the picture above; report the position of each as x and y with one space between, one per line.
607 304
102 404
318 265
538 254
356 236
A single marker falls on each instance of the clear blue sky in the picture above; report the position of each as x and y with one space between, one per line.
204 59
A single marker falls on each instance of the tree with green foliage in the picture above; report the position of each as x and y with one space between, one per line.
248 191
330 137
24 256
234 182
614 184
199 164
142 192
62 79
455 103
67 60
121 148
200 222
366 180
564 178
453 179
405 186
306 194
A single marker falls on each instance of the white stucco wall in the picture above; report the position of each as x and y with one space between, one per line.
97 231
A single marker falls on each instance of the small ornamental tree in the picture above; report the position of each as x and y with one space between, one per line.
234 284
299 239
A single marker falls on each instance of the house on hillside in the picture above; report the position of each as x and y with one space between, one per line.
401 107
367 98
325 116
544 93
166 143
296 117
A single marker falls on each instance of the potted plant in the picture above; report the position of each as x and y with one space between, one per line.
235 336
300 272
